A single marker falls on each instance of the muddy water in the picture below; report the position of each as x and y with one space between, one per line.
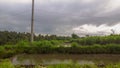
49 59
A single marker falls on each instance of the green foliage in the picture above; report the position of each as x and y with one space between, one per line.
64 66
74 44
83 66
56 44
12 37
47 47
2 51
102 40
75 36
113 65
6 64
23 44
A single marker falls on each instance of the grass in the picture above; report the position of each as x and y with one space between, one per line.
8 64
71 66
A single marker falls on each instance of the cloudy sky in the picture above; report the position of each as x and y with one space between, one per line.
62 17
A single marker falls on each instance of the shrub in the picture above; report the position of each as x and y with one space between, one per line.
74 44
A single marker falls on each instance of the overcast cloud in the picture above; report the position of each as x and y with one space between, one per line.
62 17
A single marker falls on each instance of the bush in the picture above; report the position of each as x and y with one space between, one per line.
74 44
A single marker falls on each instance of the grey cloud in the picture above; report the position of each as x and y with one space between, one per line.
55 17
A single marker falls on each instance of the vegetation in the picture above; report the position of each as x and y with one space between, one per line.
50 47
11 38
71 66
8 64
11 44
102 40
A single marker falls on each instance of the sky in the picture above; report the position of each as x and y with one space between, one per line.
62 17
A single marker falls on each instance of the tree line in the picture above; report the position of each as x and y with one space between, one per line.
12 37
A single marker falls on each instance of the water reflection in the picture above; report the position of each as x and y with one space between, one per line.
50 59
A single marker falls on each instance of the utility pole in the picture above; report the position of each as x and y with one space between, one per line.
32 22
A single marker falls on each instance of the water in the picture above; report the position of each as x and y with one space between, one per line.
50 59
